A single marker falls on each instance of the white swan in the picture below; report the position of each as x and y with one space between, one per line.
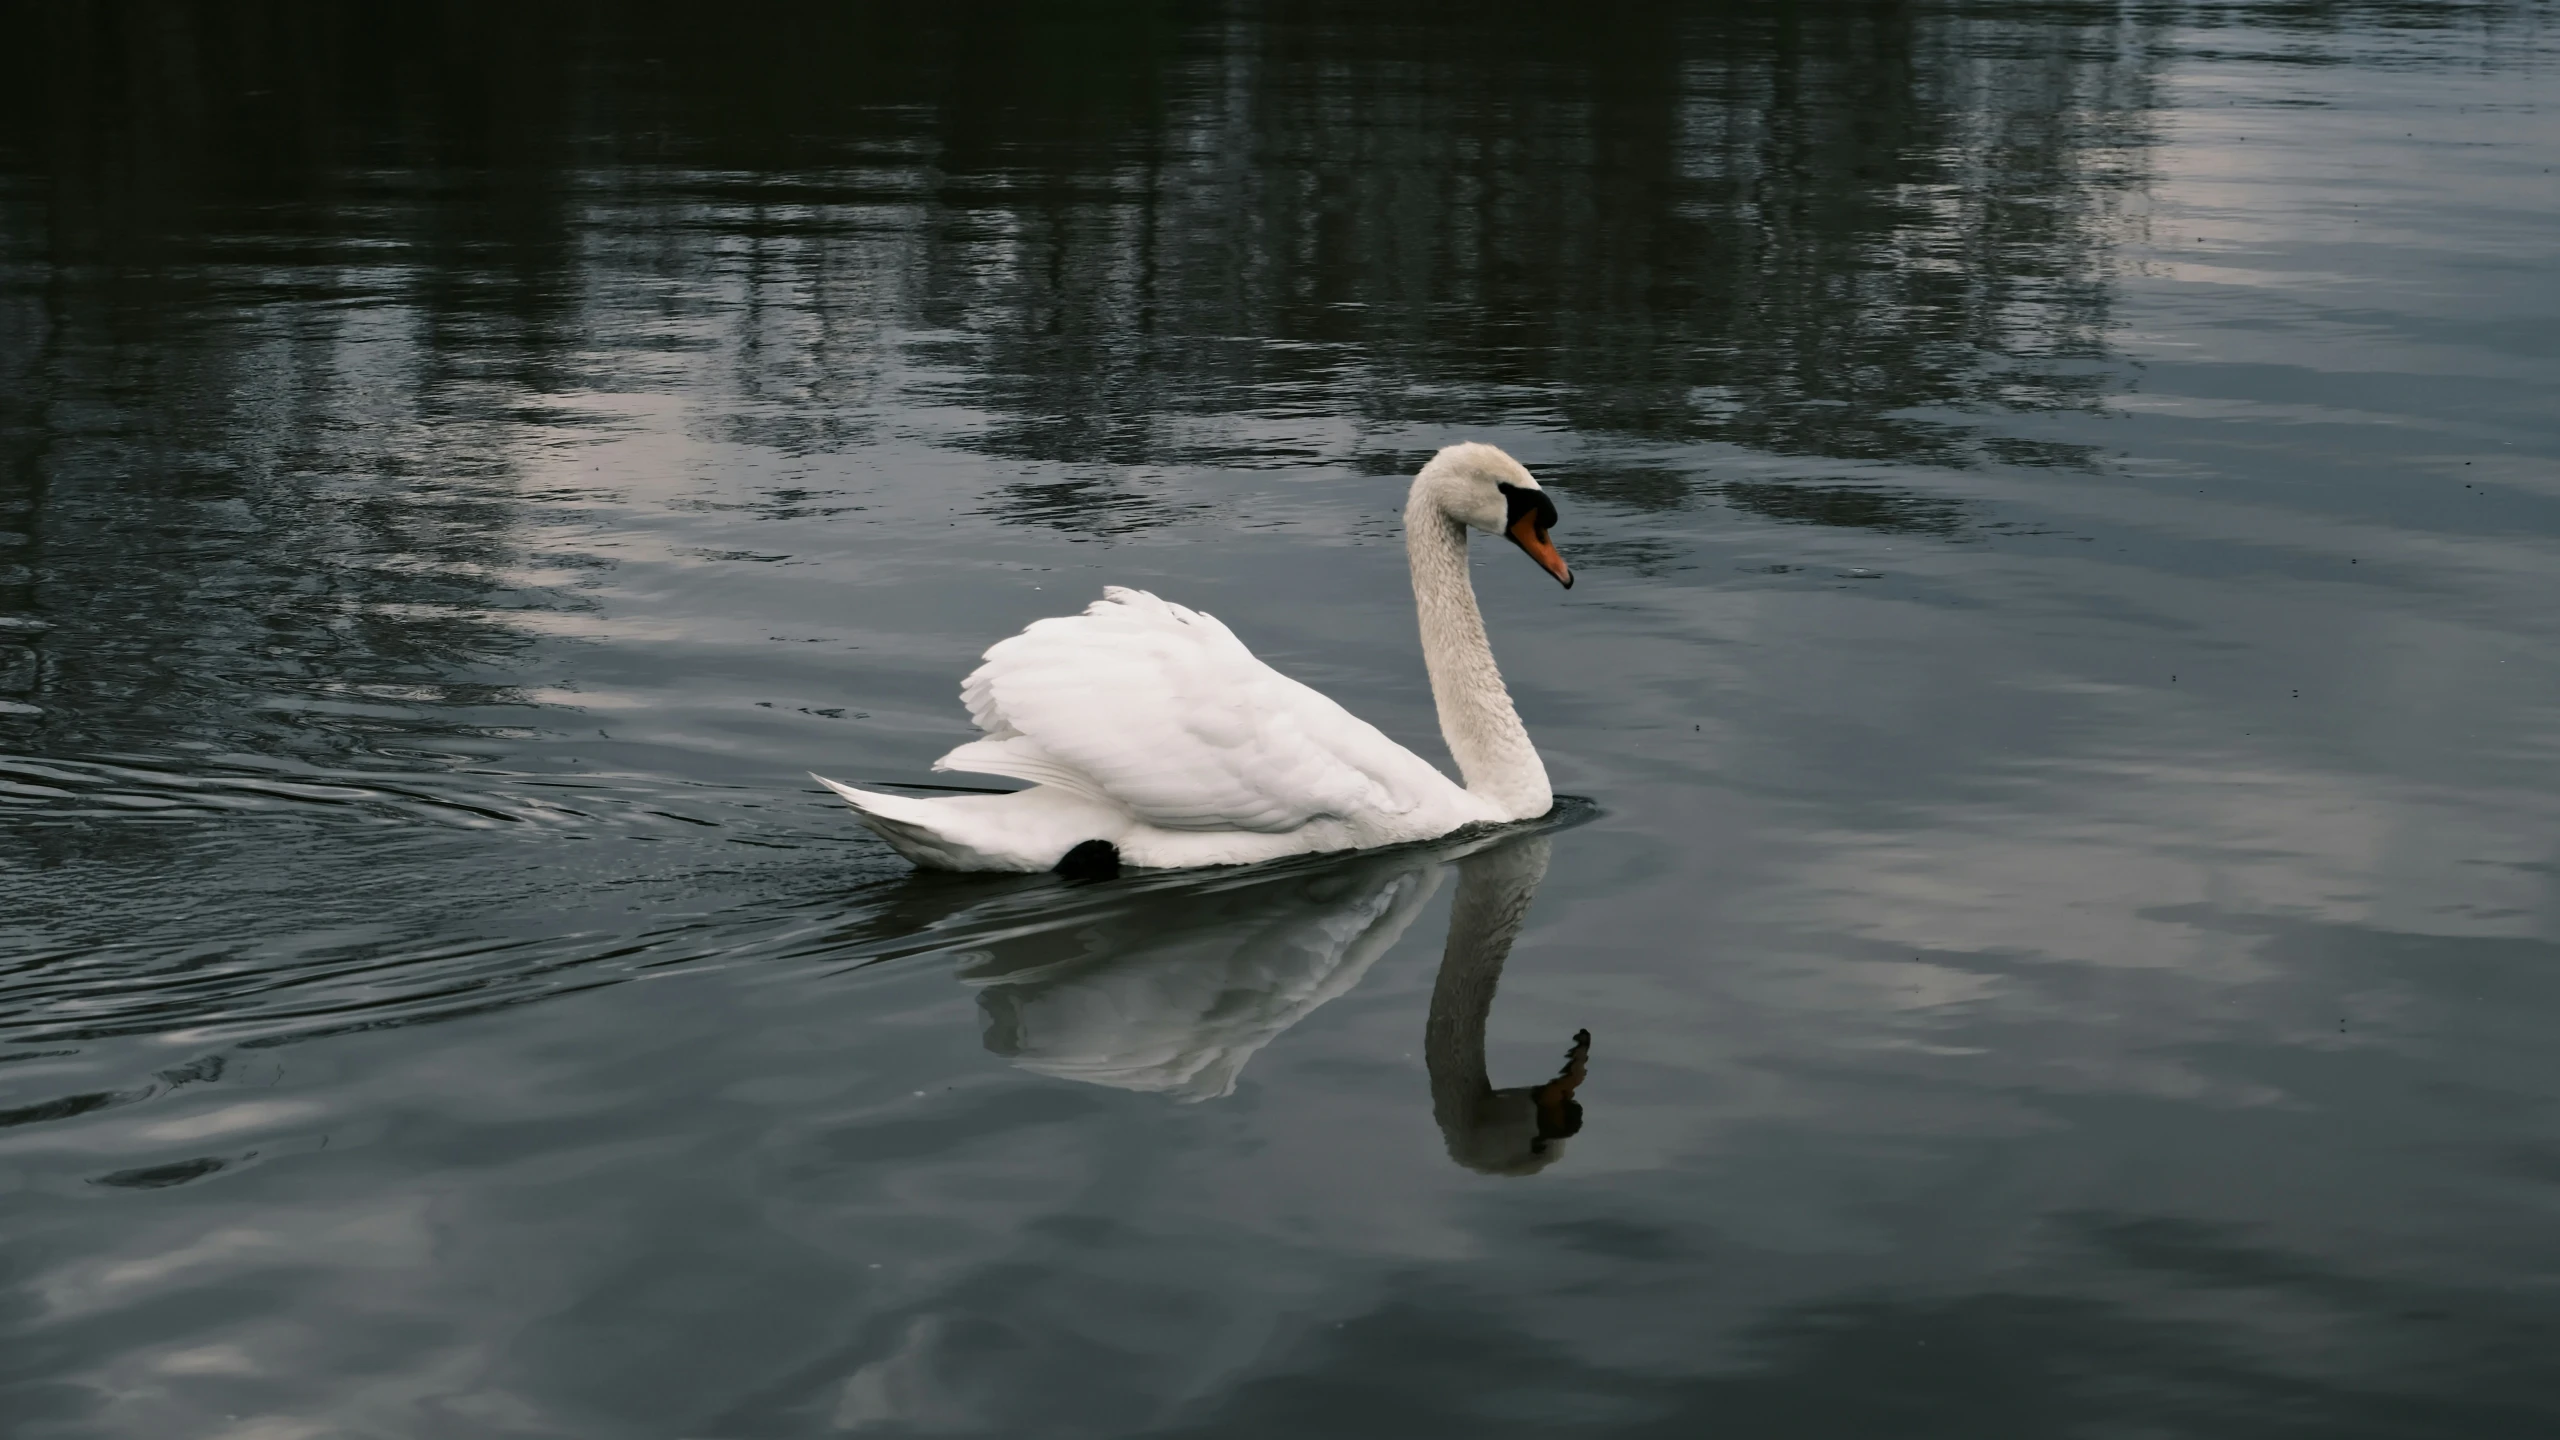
1154 739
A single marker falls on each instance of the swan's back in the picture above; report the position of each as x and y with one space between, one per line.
1158 710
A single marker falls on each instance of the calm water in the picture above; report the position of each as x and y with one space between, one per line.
2067 905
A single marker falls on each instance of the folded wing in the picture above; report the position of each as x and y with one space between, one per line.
1159 709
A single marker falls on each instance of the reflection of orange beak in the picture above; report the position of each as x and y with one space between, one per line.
1526 533
1558 1115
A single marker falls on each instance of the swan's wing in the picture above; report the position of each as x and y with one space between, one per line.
1159 709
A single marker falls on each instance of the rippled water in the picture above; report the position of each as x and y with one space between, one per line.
2066 910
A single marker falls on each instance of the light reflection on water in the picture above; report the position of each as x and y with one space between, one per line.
2067 915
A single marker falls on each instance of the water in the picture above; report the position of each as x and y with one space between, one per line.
2066 908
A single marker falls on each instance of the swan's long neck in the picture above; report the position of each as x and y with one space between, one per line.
1484 733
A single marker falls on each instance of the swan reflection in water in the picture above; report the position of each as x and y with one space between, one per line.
1172 988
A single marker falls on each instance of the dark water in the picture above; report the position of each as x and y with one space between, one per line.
2067 913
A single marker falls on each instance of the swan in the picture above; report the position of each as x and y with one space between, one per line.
1154 739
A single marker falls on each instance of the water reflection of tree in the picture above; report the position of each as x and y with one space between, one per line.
1781 226
288 299
300 281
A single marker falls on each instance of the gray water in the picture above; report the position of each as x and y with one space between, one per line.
2063 887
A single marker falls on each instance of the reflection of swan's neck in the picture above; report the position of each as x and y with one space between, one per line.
1477 720
1487 1129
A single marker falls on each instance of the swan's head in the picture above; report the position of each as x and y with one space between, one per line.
1484 489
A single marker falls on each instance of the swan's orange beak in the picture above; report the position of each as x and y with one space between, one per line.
1531 536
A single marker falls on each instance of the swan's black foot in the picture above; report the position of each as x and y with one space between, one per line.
1092 860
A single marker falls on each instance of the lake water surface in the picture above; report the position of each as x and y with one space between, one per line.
2064 889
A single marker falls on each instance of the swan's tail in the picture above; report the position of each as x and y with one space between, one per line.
907 824
1021 830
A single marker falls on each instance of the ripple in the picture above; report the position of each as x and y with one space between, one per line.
162 1177
48 788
